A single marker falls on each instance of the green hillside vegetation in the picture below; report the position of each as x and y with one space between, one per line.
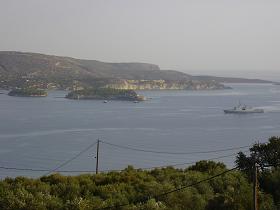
133 189
105 94
28 92
49 66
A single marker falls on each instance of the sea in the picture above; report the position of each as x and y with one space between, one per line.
39 136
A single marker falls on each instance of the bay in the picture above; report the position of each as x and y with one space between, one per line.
42 133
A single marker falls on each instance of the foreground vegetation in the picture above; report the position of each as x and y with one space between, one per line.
140 189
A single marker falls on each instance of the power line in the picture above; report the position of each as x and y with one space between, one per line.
177 164
104 171
173 153
44 170
162 166
22 169
173 165
123 147
171 191
193 162
71 159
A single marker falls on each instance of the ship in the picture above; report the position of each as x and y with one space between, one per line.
243 109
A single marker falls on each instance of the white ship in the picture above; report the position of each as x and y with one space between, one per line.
243 109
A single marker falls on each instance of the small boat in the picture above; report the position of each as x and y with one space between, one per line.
105 101
135 102
243 109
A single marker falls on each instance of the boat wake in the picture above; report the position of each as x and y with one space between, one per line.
75 130
268 109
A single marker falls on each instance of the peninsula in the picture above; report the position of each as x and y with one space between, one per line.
20 69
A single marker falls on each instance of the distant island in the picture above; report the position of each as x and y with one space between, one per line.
105 94
28 92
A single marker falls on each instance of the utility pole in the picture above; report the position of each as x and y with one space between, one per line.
97 156
255 185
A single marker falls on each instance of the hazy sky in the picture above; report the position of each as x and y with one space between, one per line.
226 37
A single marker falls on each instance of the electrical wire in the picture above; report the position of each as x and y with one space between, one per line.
71 159
45 170
193 162
120 170
173 153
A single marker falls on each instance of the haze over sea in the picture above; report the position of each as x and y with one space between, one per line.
42 133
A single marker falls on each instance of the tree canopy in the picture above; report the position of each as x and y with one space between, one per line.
133 189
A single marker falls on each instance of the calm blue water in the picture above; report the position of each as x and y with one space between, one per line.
42 133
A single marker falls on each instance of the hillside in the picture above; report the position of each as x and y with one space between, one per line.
19 69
